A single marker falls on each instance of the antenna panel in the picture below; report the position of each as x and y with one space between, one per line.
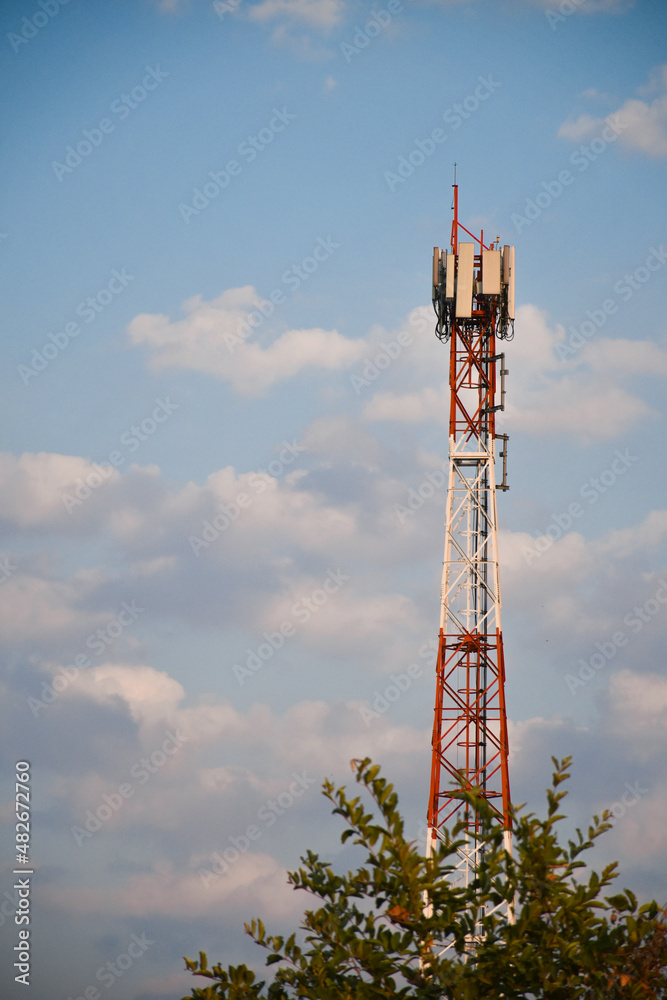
449 276
490 272
510 291
464 277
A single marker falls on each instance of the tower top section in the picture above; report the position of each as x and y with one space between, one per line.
472 280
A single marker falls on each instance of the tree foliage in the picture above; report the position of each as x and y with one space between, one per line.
525 926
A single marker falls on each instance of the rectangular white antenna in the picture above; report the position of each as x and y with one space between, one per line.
490 272
464 278
449 276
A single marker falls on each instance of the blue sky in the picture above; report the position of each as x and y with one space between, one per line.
160 402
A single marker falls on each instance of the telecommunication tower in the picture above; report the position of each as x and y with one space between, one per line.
473 298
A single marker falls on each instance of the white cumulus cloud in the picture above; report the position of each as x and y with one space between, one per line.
644 122
216 338
579 395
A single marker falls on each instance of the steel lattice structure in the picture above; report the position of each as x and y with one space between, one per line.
473 297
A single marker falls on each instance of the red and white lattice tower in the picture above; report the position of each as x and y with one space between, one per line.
473 297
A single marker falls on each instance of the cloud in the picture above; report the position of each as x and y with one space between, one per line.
255 883
425 405
165 986
37 607
644 121
585 591
295 20
332 506
213 338
231 765
246 548
309 733
151 695
638 357
550 581
607 772
169 6
638 702
579 396
32 487
645 536
323 14
348 621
